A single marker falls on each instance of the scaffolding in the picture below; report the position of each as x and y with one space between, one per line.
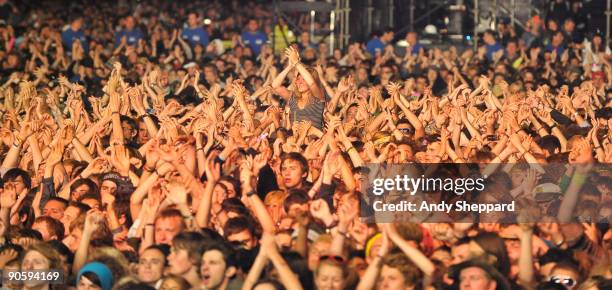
338 11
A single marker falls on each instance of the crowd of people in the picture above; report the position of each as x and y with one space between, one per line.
143 147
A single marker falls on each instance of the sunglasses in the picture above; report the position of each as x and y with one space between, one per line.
333 258
563 280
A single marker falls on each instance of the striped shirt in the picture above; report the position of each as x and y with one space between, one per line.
313 111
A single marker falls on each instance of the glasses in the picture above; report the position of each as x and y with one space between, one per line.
333 258
563 280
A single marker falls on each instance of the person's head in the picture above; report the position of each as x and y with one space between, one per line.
476 278
40 256
387 35
55 207
569 25
49 228
566 274
174 282
266 284
185 253
218 265
557 38
129 22
330 273
73 210
81 187
17 178
129 127
411 37
460 251
550 144
151 265
92 200
274 204
488 37
296 203
252 25
398 272
76 23
95 276
318 249
294 169
302 86
168 223
192 19
512 47
240 232
110 182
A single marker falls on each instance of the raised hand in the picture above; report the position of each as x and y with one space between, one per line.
292 55
177 193
93 221
319 209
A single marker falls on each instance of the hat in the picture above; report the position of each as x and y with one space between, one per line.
454 272
546 192
190 64
112 176
102 271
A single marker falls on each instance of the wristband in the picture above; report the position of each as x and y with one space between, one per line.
250 193
150 225
16 145
199 148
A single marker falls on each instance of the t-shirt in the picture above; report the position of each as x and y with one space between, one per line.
132 36
492 49
254 40
375 45
69 36
196 35
313 111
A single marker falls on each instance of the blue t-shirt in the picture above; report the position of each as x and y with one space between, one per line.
559 49
196 35
69 36
254 40
132 36
375 45
416 48
491 49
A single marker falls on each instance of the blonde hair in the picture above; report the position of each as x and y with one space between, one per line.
275 197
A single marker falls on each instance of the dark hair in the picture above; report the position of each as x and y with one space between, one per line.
62 249
295 196
550 143
93 278
162 248
93 187
234 205
238 224
226 250
90 195
83 208
13 173
494 245
275 284
54 227
133 285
